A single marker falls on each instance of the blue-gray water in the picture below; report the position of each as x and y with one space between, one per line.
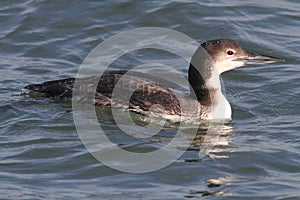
41 156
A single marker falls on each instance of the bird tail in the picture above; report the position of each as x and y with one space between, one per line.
34 87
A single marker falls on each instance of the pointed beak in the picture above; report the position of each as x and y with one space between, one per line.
259 59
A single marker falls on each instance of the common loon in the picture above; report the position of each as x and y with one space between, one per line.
205 101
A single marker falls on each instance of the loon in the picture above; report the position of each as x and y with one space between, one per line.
154 95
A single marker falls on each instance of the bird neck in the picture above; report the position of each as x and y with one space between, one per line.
198 86
204 84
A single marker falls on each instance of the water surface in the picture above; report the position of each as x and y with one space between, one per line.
42 156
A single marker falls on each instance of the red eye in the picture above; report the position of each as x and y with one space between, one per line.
229 52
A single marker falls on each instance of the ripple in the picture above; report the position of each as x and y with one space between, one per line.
41 154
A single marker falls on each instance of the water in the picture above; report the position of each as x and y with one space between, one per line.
41 154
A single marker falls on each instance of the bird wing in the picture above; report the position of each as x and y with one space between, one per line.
143 91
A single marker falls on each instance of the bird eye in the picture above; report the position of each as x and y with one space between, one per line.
230 52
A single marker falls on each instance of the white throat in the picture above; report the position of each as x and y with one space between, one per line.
221 108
